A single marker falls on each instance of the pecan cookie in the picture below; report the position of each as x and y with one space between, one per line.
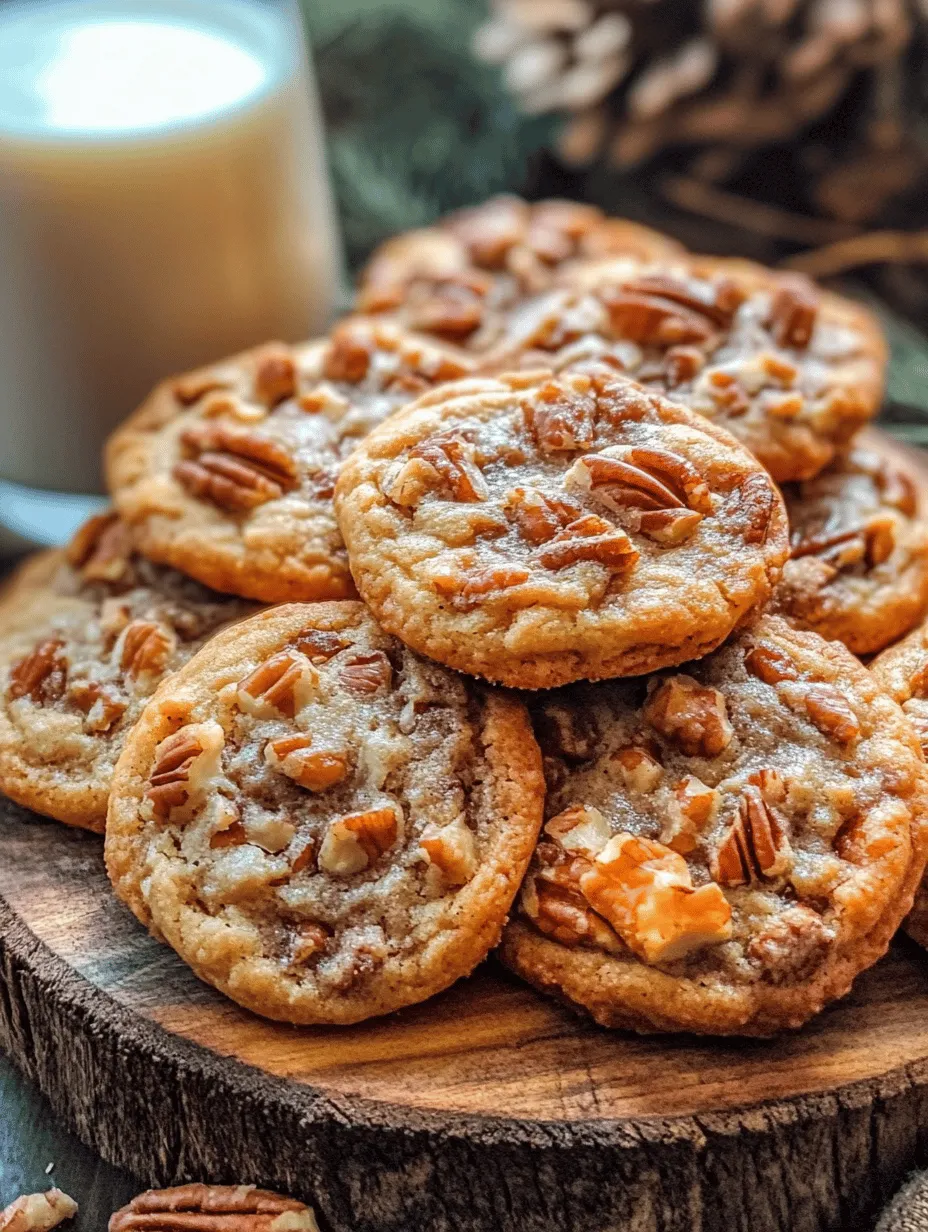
455 279
792 371
539 529
902 671
859 565
227 473
728 846
86 635
323 825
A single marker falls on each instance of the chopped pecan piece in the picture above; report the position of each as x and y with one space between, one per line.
366 673
281 686
640 771
311 940
562 913
682 364
41 675
580 830
275 375
896 488
451 457
793 311
562 420
172 779
316 770
645 891
452 849
102 705
590 538
831 713
694 805
693 717
750 507
539 517
144 648
213 1208
662 312
453 309
234 470
348 355
871 544
232 836
719 301
466 592
771 785
38 1212
320 645
191 388
489 231
770 664
357 841
101 549
755 846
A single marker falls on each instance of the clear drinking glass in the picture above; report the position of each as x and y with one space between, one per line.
163 202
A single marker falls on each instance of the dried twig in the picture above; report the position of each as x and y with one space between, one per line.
874 248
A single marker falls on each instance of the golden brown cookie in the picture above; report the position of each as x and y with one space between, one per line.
902 671
858 570
790 370
86 635
323 825
727 846
227 473
539 529
454 279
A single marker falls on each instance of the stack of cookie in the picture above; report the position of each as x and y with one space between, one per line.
602 675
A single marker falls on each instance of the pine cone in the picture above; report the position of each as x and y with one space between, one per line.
722 79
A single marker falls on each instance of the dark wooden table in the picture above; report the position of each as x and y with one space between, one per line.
31 1140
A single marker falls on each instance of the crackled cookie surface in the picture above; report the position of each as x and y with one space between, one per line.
455 279
86 635
789 369
227 473
538 529
726 846
858 570
322 824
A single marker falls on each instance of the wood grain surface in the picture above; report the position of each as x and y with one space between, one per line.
488 1108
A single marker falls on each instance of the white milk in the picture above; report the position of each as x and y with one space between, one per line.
163 201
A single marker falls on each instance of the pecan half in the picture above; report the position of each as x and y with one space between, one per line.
870 544
693 717
314 769
275 375
590 538
235 470
667 496
755 846
41 675
831 713
793 310
661 310
38 1212
144 648
465 592
719 301
451 456
101 549
355 842
213 1208
280 686
169 784
366 673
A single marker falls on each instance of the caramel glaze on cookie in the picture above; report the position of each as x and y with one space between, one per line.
902 671
539 529
859 564
323 825
454 280
227 473
86 635
790 370
727 846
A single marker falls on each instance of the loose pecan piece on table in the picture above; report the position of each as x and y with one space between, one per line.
213 1208
38 1212
234 470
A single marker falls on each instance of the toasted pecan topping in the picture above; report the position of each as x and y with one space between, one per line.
314 769
770 664
144 648
560 419
102 704
101 549
169 782
364 674
320 645
213 1208
870 543
755 846
41 675
692 716
38 1212
539 517
750 508
694 806
793 312
275 375
235 470
454 309
466 591
452 849
355 842
831 713
640 771
280 686
562 913
590 538
451 457
348 355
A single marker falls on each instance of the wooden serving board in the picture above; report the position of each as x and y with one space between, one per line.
488 1109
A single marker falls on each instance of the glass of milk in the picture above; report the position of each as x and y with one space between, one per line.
163 202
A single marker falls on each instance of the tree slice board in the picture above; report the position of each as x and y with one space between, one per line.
487 1109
